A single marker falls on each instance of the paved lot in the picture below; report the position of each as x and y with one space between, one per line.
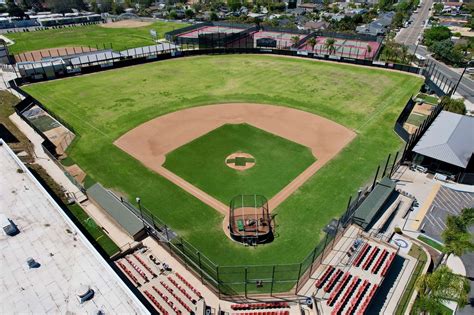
447 202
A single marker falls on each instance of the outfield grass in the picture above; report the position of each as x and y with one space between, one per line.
95 231
90 35
103 106
202 162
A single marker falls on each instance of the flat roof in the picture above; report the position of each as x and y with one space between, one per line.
67 260
376 199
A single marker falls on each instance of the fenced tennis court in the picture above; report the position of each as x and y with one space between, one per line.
210 30
350 48
283 39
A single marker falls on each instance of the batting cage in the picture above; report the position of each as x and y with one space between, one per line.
249 220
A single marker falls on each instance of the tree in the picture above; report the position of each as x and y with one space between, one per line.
295 40
173 15
14 10
234 5
65 6
312 42
214 16
117 8
438 7
454 106
436 34
456 235
440 286
330 45
189 13
369 50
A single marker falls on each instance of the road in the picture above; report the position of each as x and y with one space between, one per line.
409 36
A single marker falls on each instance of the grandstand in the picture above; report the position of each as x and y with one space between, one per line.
350 276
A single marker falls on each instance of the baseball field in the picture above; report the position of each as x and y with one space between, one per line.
103 107
119 37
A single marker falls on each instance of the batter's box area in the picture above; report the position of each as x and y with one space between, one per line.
191 148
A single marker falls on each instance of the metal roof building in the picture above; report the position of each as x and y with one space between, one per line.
449 139
124 217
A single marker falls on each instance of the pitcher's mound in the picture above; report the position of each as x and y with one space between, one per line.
240 161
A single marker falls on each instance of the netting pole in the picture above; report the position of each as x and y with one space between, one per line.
393 165
273 280
299 275
386 164
312 260
200 267
375 178
218 282
245 279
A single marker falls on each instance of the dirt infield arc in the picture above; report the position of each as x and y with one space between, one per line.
150 142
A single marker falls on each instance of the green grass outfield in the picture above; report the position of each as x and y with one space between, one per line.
103 106
202 162
90 35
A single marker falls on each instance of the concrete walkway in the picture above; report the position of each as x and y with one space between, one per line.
45 161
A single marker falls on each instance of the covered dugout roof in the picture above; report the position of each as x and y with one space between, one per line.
130 223
449 139
369 208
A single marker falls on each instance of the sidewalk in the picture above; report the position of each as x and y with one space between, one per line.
44 160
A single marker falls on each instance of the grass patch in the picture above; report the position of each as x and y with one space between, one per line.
428 98
95 231
417 252
416 119
367 100
431 242
201 162
67 161
7 101
90 35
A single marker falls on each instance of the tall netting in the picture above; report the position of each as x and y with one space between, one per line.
249 220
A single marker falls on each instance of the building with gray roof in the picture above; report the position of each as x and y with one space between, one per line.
448 144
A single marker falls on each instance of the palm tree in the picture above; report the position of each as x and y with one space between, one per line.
294 40
312 42
404 49
369 49
456 235
329 44
440 286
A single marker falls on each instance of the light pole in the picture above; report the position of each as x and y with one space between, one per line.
460 78
138 200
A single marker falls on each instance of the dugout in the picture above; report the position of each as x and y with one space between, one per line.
370 209
249 220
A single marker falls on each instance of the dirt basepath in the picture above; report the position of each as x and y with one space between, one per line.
151 141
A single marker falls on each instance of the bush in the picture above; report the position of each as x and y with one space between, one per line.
436 34
398 230
453 105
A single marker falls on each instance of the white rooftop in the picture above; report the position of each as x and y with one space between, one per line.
68 261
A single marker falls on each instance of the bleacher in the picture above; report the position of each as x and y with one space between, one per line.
349 288
168 291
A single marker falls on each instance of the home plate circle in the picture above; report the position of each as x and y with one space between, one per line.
240 161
